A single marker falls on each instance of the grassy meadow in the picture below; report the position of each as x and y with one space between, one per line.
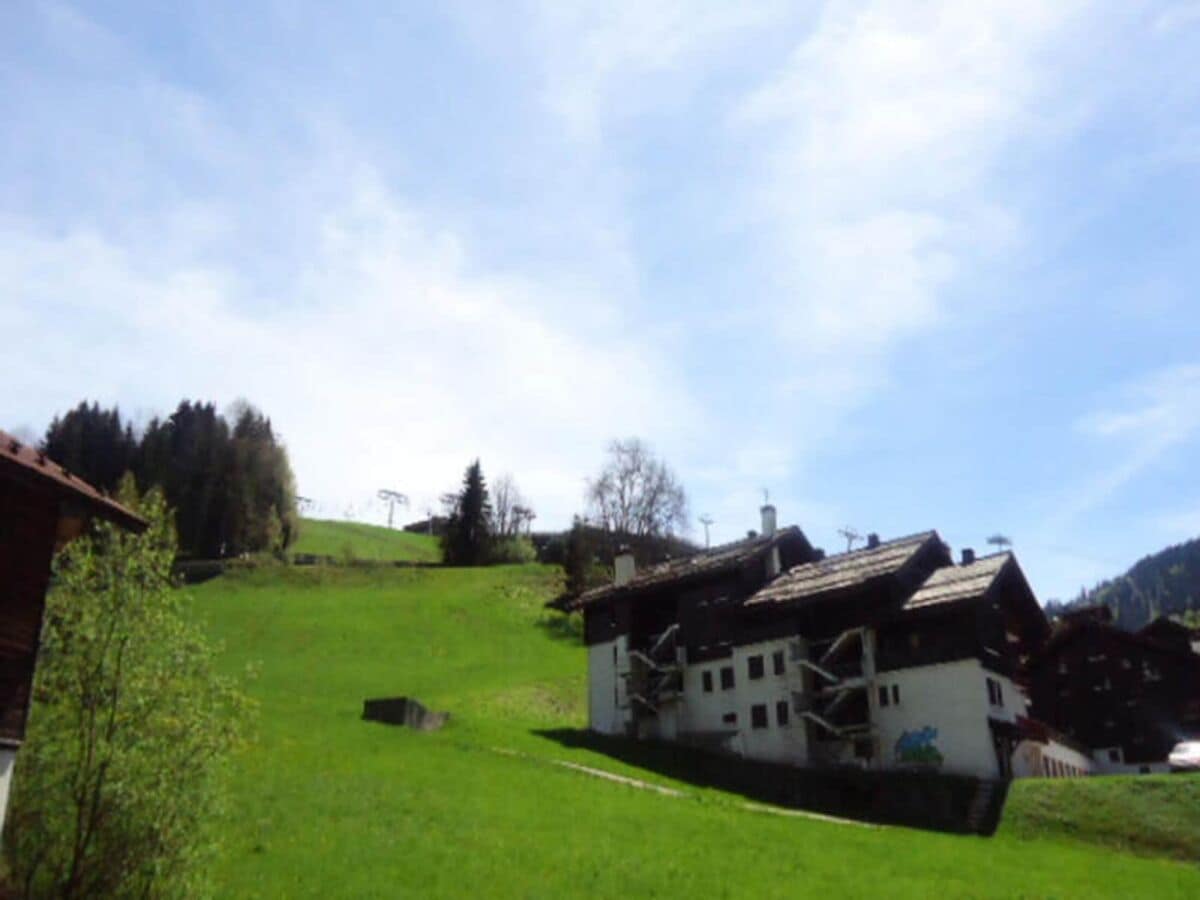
373 543
327 805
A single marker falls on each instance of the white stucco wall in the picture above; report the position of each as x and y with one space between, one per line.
608 705
702 712
8 757
952 699
1031 757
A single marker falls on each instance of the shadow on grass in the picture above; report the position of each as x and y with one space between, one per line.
955 803
562 626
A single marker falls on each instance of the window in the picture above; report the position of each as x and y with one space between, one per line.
706 680
896 694
1062 667
726 677
883 695
777 661
1114 755
781 712
614 654
755 665
758 715
729 718
995 693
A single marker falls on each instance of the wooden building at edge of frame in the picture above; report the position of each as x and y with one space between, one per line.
42 508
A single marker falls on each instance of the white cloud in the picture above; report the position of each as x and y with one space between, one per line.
603 60
881 133
391 363
1157 413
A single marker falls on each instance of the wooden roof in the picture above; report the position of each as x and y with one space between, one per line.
709 562
842 571
953 583
27 465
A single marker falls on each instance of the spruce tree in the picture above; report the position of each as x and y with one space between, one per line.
468 538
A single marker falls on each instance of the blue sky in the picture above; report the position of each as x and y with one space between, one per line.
906 265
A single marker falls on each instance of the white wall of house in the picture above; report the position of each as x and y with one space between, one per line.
8 756
702 712
1049 759
944 708
608 705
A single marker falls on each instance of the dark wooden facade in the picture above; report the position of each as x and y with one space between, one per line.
28 526
42 507
1110 688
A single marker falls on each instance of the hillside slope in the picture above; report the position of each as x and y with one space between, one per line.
1164 583
331 806
356 540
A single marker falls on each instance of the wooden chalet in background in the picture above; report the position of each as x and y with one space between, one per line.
42 507
1130 696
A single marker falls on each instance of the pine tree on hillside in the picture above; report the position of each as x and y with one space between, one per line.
468 539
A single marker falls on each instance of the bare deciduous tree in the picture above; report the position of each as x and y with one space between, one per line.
509 509
637 494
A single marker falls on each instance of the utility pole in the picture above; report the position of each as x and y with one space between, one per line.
391 498
706 520
851 537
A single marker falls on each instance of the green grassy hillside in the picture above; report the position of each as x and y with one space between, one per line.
1146 814
325 537
329 805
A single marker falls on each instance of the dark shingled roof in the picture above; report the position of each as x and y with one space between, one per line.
708 562
842 571
23 463
953 583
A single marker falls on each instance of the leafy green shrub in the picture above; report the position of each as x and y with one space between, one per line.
120 779
513 550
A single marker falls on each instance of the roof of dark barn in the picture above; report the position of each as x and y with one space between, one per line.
22 463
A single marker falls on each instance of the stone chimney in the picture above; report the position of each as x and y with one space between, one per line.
768 520
623 567
872 541
968 556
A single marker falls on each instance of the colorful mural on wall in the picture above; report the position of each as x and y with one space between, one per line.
919 748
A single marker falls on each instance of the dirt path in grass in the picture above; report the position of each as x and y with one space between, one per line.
674 792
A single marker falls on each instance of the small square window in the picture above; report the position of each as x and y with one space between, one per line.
755 666
758 715
883 695
896 694
726 677
777 662
729 718
706 680
781 712
1114 755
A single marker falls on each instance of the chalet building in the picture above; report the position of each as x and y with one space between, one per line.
887 657
42 507
1130 696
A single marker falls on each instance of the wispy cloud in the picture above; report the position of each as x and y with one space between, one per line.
1155 414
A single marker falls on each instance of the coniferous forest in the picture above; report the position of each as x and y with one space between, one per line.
228 479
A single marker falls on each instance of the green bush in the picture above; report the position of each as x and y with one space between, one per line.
513 550
120 779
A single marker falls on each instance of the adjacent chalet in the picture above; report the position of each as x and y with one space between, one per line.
1130 696
886 657
42 507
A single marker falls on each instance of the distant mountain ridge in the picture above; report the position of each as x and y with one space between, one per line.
1166 583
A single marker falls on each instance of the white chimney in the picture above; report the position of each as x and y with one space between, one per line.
623 568
773 566
768 520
